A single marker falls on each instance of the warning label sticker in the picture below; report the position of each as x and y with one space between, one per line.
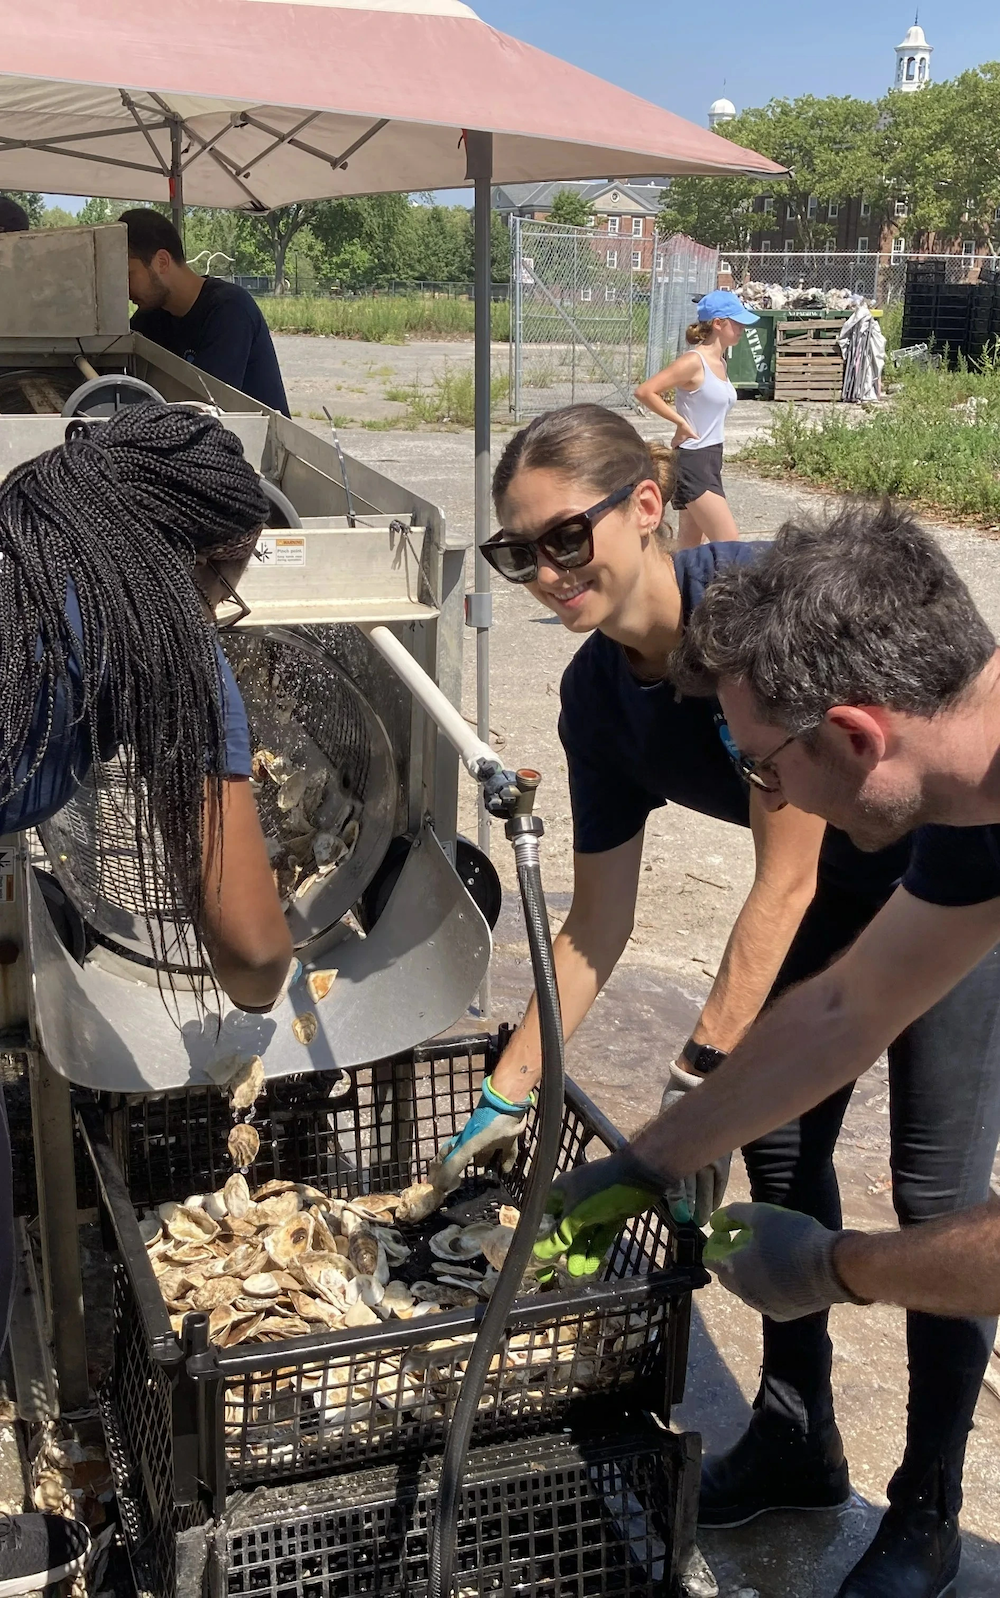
7 878
280 549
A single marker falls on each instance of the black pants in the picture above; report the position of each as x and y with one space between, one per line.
944 1081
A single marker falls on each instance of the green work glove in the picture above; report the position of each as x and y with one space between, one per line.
494 1127
591 1205
777 1261
705 1190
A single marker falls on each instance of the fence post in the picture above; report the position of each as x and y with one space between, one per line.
517 331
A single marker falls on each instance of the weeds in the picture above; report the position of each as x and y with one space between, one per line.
937 444
381 319
450 398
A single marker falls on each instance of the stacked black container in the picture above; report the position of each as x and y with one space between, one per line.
960 319
306 1467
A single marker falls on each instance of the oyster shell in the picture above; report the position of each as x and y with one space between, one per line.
397 1299
237 1197
219 1291
290 1240
496 1245
243 1144
215 1205
262 1285
461 1242
247 1082
305 1027
150 1228
359 1314
370 1290
191 1226
363 1250
273 1211
319 984
419 1201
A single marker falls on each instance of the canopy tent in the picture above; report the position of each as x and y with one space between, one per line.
256 103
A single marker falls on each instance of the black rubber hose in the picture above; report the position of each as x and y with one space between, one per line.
544 1155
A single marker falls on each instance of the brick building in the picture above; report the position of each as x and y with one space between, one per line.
623 215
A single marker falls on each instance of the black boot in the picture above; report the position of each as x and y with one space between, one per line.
917 1547
773 1466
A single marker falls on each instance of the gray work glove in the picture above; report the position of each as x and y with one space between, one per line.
779 1262
705 1190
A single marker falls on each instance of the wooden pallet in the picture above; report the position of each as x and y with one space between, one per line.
808 362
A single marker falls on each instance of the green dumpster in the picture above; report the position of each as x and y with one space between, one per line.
751 361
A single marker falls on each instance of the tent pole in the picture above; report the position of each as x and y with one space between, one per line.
176 177
479 604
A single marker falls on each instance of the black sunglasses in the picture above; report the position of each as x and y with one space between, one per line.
750 770
567 545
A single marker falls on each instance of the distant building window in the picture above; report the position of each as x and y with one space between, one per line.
612 258
591 220
899 246
609 296
659 261
911 68
996 214
791 211
922 69
899 209
767 205
789 246
637 227
833 210
586 295
765 244
614 224
636 260
813 207
866 208
863 246
968 249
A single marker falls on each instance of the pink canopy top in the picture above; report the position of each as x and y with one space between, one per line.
277 102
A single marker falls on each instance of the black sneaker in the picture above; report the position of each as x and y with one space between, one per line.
915 1554
37 1550
772 1471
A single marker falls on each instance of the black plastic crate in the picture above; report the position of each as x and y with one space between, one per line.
559 1517
196 1423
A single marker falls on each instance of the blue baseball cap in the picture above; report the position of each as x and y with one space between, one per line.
724 303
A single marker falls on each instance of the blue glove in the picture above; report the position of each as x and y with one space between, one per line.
494 1127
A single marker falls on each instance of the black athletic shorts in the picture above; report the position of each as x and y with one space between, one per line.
699 471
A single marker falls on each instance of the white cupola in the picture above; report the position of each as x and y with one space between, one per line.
913 60
720 111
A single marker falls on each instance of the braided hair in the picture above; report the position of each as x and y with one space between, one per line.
122 513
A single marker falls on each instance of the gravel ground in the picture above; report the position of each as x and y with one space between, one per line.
695 874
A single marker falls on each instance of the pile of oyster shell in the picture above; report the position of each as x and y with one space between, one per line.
311 825
288 1260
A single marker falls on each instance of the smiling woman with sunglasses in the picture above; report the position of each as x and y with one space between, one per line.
581 498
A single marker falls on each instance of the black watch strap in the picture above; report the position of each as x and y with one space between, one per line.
701 1056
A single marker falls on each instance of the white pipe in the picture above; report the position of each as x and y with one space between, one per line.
427 693
84 366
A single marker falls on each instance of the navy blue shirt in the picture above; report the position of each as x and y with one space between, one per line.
225 334
67 759
633 747
954 865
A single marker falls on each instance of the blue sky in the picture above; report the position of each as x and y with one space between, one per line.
681 57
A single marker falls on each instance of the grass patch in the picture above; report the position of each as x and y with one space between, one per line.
932 446
449 398
381 319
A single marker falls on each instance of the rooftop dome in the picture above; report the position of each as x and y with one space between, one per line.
722 108
914 37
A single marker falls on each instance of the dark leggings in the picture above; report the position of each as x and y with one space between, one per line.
944 1085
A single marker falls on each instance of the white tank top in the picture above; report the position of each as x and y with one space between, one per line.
706 408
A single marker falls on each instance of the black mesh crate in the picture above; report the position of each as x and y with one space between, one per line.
559 1517
195 1424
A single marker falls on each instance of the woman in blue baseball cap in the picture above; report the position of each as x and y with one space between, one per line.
703 398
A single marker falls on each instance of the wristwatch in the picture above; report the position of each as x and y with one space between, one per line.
701 1056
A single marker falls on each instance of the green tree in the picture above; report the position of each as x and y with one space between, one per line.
57 216
941 151
570 208
32 203
832 149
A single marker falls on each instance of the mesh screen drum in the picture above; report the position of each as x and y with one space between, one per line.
326 785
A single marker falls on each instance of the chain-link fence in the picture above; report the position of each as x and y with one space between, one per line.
683 272
774 277
579 316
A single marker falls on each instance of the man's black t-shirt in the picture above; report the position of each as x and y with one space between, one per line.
633 747
225 334
954 865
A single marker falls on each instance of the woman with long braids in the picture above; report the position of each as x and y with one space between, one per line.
115 550
581 497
